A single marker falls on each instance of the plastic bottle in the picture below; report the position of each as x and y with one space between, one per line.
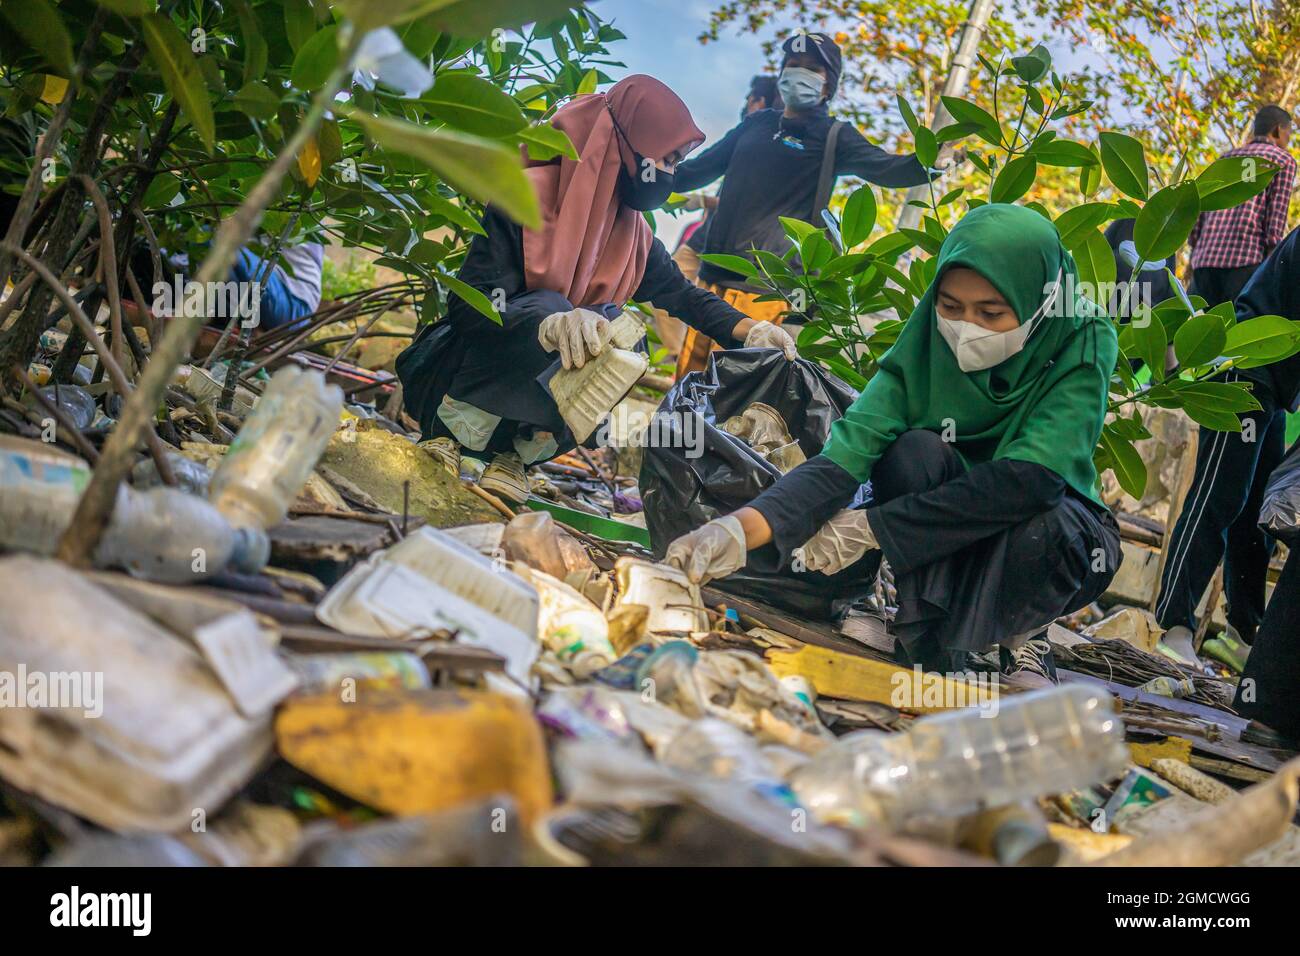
961 761
274 453
164 534
1170 687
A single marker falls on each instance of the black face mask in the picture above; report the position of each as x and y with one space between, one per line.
650 187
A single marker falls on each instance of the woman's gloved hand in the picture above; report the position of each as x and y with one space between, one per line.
577 335
711 551
841 541
766 335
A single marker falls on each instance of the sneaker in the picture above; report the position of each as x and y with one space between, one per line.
1176 644
1031 664
1228 650
506 478
445 451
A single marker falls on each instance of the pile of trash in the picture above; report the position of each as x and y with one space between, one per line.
317 647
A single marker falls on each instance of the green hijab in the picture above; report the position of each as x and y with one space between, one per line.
1045 404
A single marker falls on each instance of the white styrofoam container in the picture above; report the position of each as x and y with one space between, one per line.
169 741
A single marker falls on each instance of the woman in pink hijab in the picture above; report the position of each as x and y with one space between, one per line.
478 386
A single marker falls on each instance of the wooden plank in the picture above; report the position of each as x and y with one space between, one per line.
855 677
817 633
1186 472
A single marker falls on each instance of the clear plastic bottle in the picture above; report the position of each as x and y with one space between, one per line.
274 453
961 761
164 534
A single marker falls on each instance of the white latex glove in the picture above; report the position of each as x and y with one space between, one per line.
766 335
841 541
711 551
694 201
576 335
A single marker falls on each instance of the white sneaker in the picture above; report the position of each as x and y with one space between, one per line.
506 478
445 451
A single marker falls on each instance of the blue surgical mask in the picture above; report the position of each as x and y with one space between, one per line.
801 89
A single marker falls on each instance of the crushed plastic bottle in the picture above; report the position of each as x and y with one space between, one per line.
190 475
274 453
1170 687
164 534
958 762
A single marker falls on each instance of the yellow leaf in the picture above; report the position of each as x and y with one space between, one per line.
309 162
56 87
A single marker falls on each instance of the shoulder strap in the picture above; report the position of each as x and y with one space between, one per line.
826 182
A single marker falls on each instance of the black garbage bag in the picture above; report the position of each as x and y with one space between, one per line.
1279 515
693 471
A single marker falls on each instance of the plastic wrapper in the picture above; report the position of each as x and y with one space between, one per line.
1279 515
686 483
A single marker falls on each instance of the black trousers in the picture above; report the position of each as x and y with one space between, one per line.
1219 521
1267 690
1221 285
1002 587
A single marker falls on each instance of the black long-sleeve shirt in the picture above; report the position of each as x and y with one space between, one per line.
1274 289
495 266
772 164
913 529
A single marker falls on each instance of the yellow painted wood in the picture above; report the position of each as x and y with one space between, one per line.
1174 748
411 752
847 676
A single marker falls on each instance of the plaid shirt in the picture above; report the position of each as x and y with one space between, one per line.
1244 235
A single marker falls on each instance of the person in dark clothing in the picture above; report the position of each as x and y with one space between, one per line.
1220 514
1267 690
1228 244
477 384
772 162
977 435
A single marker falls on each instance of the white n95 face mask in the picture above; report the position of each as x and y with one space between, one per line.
977 348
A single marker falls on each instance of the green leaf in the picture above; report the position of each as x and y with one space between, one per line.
316 60
546 142
966 112
1032 67
909 116
470 295
1090 178
1078 223
437 205
796 229
1200 340
1125 164
816 251
589 82
1225 396
1151 343
1268 338
732 263
462 18
1064 153
474 105
299 22
1130 470
256 100
859 216
38 23
180 72
130 8
927 147
367 15
486 170
162 190
1230 181
1166 221
255 51
1015 180
1096 264
956 131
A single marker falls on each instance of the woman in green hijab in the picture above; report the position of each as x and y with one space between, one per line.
976 436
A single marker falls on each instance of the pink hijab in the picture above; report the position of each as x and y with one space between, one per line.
591 247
